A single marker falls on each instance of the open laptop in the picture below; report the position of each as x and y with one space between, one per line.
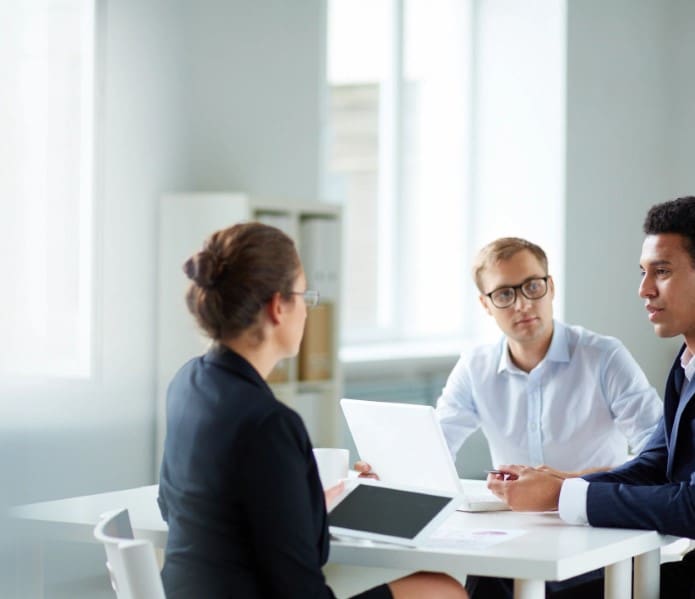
404 444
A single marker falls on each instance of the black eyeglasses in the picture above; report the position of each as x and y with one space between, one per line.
311 297
533 289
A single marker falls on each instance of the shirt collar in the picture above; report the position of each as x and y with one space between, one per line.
558 351
688 364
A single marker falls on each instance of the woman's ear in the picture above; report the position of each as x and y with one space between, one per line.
275 308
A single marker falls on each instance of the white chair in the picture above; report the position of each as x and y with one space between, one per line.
131 563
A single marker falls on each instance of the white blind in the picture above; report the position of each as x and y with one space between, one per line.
46 186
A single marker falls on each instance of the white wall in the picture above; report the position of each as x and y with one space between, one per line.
150 105
214 94
254 95
77 436
62 438
630 120
682 113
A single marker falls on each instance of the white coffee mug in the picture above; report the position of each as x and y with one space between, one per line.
333 464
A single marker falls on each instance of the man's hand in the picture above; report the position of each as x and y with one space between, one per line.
562 474
365 470
559 473
526 489
577 474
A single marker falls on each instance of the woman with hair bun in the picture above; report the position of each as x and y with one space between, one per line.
239 486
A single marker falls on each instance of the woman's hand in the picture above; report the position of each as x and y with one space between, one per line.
365 470
332 492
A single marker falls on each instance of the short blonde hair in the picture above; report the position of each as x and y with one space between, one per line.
503 249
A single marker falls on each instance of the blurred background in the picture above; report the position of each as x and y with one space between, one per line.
434 126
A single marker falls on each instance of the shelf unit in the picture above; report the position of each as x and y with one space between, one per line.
186 219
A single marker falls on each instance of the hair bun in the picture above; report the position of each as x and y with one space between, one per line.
204 269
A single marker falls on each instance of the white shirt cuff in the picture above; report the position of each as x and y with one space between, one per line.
572 506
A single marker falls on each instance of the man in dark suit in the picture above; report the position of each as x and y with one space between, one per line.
656 490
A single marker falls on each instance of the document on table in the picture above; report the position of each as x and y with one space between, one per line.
471 538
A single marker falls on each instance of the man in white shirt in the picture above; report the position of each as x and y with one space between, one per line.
547 393
656 490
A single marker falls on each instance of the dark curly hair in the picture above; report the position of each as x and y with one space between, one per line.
238 270
675 216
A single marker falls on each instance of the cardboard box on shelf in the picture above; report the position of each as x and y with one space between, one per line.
281 372
316 351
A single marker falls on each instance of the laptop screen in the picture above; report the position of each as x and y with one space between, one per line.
403 443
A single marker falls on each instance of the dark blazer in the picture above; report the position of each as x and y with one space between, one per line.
239 488
656 490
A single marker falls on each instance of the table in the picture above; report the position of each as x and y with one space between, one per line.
549 549
74 519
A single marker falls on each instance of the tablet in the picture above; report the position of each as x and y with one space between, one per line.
371 509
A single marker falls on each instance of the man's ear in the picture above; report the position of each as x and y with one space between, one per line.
551 287
275 308
483 302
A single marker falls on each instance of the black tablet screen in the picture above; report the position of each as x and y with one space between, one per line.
386 511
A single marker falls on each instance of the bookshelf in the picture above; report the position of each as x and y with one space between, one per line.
311 383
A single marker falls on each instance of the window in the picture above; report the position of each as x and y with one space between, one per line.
445 130
46 186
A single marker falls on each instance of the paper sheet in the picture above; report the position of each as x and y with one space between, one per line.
471 538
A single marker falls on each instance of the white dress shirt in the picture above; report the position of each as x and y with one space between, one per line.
579 407
573 493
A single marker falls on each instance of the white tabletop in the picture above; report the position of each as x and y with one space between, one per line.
74 518
549 549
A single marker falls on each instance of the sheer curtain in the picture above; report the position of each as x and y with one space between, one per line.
46 186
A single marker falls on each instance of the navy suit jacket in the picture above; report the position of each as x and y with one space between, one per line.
239 489
656 490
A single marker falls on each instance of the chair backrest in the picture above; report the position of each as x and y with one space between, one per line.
131 563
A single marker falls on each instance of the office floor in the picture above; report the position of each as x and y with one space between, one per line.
344 580
97 587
